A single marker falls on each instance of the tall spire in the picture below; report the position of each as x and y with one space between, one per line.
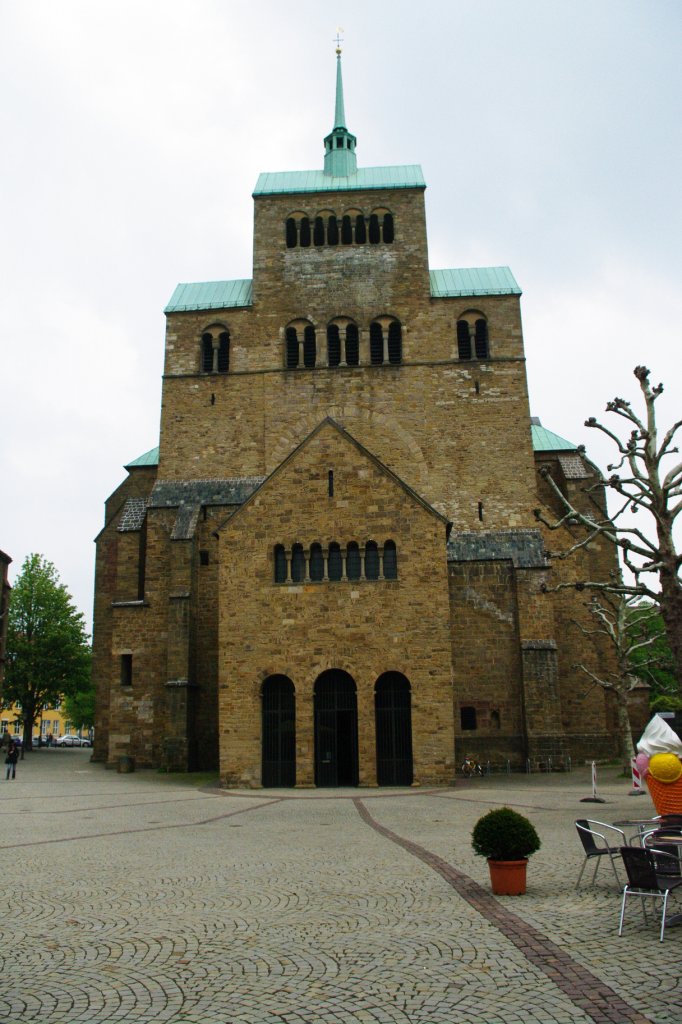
339 146
339 112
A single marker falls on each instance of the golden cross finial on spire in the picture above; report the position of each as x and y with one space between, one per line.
338 40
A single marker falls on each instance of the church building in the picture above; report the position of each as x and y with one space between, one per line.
328 573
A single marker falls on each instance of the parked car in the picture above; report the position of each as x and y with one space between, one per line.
72 741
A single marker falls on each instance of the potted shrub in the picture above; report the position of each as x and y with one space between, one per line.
507 839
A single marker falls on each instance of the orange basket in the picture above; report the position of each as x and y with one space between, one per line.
667 796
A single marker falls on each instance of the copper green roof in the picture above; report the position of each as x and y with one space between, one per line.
210 295
273 183
446 284
339 146
547 441
150 458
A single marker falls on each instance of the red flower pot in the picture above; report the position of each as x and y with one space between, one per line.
508 877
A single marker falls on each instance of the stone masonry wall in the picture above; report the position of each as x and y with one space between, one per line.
363 627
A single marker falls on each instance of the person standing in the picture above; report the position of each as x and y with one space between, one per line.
11 761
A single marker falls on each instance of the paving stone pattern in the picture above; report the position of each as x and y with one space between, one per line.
135 898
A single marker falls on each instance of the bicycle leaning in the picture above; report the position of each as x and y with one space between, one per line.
471 766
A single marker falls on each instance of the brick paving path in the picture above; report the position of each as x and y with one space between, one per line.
135 898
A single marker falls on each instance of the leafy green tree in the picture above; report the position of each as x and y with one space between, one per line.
80 708
653 663
48 655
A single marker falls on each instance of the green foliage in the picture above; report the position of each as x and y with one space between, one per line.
48 655
80 708
666 702
653 663
504 834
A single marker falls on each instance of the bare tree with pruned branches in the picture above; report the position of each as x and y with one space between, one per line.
623 621
643 480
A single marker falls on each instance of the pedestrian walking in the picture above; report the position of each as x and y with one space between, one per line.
11 761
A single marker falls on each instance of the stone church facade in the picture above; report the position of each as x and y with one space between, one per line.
328 572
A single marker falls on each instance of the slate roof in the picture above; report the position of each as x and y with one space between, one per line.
174 493
573 467
132 517
524 548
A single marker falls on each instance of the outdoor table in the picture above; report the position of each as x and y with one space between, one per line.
639 824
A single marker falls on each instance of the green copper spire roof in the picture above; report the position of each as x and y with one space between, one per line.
339 145
339 112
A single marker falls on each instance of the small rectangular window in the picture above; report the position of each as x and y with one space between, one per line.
203 558
330 483
126 670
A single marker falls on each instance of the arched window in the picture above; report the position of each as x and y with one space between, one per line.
278 732
495 719
304 232
481 338
393 717
334 565
333 345
318 231
291 233
463 340
346 231
390 561
207 352
374 233
387 227
395 342
292 347
280 564
371 560
360 230
467 718
353 567
309 346
223 352
352 345
316 562
376 343
297 564
333 231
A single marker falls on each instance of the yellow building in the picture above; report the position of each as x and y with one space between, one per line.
52 722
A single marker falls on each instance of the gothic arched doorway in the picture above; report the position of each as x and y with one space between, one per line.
336 730
393 716
278 766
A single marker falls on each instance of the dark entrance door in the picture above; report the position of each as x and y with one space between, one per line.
336 730
279 732
394 730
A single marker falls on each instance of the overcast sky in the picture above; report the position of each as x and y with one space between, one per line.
132 136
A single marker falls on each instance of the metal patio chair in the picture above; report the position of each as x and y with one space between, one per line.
659 840
648 878
593 836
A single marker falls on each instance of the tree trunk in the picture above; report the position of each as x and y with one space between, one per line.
627 747
671 613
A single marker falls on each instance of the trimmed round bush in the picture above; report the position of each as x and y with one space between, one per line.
504 834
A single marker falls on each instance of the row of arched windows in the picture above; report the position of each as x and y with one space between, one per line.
353 228
335 563
343 343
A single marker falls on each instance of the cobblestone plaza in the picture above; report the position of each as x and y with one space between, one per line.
132 898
